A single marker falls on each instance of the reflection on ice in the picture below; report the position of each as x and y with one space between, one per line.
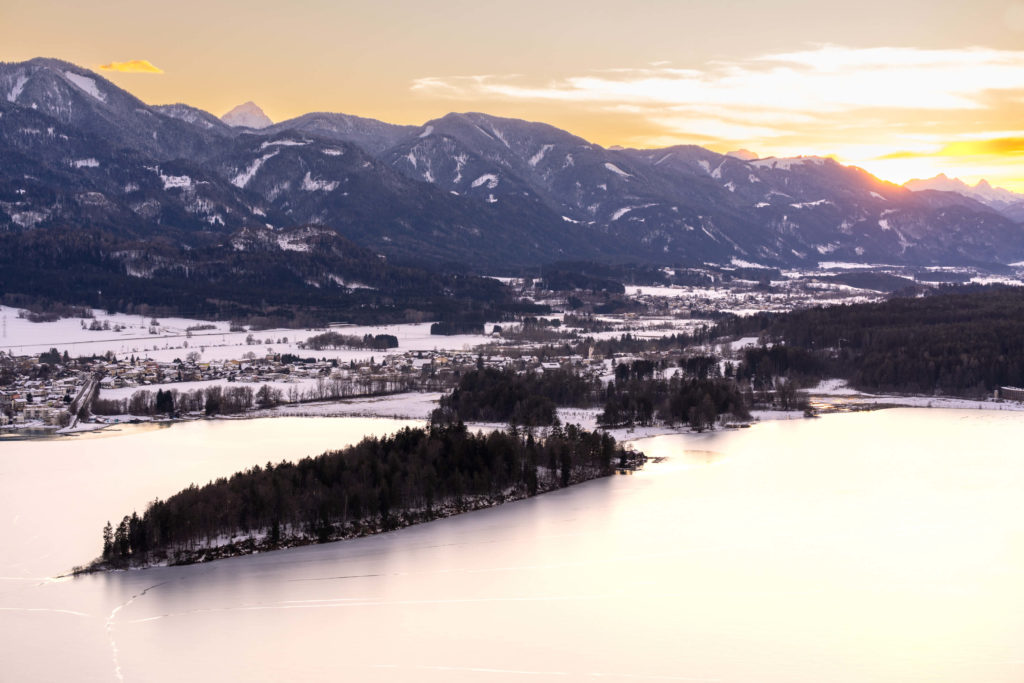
874 546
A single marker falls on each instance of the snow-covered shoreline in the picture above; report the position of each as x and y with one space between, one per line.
835 395
830 396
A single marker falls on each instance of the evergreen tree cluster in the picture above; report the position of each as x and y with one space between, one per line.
379 483
452 327
54 357
336 340
630 344
491 395
761 364
685 400
84 266
959 341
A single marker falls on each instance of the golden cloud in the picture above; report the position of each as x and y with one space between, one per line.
997 147
905 155
134 66
965 148
900 112
828 88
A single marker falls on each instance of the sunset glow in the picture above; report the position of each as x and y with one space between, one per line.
925 90
134 66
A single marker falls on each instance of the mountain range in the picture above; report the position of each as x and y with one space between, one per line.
81 154
1010 204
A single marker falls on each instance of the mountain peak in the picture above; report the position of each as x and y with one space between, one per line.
1006 202
941 182
247 115
742 154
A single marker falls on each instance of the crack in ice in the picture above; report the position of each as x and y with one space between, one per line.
110 627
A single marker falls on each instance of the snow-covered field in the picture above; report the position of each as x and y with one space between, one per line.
171 339
302 384
839 389
679 292
412 406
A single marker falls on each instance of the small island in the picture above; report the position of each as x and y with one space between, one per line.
380 484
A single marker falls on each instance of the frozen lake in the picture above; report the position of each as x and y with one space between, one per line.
883 546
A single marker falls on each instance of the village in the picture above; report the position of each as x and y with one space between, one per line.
46 389
120 367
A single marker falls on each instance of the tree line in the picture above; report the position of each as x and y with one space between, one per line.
212 400
83 266
531 399
231 400
958 341
641 399
336 340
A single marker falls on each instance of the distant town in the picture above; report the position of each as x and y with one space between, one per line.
187 368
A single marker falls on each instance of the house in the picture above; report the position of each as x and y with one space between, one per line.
37 411
1011 393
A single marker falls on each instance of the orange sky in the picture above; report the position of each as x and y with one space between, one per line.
905 89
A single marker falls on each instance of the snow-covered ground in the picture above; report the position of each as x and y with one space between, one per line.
650 328
171 339
587 418
679 292
828 391
996 280
412 406
302 384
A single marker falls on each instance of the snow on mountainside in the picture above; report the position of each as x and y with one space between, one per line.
371 135
687 202
1010 204
79 151
247 115
92 105
196 117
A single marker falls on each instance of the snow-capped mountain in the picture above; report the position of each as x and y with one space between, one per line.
1010 204
247 115
196 117
688 203
306 179
92 105
467 187
742 154
371 135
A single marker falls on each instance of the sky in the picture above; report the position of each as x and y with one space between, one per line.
903 89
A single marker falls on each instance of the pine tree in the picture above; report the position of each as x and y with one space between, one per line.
108 541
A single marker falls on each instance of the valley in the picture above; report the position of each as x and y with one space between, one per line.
711 415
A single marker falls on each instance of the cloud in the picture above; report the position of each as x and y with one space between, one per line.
134 66
776 94
457 87
899 112
996 147
970 146
826 79
905 155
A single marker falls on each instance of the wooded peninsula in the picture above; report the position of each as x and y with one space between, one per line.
377 485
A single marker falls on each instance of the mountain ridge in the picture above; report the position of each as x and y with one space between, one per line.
1006 202
466 187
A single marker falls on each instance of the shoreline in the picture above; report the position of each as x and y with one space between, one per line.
829 397
260 542
313 409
